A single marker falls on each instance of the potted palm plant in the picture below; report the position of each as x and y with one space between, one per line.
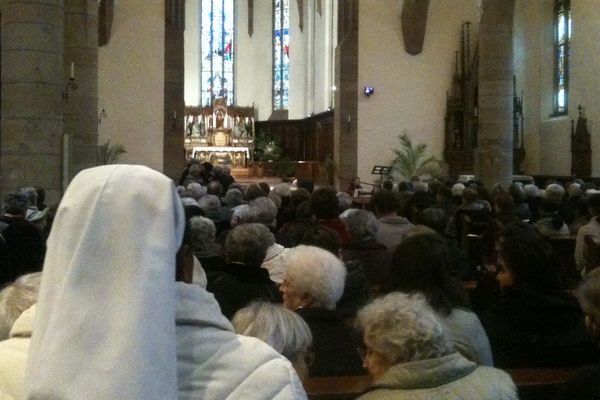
412 160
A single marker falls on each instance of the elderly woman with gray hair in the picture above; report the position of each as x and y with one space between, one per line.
202 233
364 247
409 356
280 328
313 284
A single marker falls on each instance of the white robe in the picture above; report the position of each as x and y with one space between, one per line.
105 320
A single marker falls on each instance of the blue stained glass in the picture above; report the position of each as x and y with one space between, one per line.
562 26
281 53
217 41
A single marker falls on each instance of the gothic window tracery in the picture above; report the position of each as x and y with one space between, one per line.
281 54
562 38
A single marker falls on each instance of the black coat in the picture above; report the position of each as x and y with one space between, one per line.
334 344
531 329
239 284
22 249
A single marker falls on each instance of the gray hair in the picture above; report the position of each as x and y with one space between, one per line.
248 243
16 298
530 190
283 189
240 215
263 210
280 328
403 328
457 189
276 199
197 190
233 197
209 202
361 224
554 192
202 233
316 272
344 200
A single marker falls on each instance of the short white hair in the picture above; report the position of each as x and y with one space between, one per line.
531 191
457 189
197 190
17 297
403 328
276 199
316 272
574 189
280 328
240 215
283 189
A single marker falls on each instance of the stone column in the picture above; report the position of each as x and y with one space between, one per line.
345 131
174 105
495 140
81 109
32 104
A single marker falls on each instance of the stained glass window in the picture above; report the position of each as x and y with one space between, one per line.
217 50
562 38
281 54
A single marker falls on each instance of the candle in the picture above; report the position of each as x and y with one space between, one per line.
72 70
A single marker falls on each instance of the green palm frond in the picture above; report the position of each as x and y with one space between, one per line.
110 154
411 160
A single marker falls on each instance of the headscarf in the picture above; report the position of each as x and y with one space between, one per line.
105 320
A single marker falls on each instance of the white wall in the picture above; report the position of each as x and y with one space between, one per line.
191 39
131 82
547 138
409 90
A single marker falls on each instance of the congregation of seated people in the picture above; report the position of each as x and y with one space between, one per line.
137 287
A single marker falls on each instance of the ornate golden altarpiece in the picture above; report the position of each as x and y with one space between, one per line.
220 134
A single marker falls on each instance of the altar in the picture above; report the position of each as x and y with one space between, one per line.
220 134
236 156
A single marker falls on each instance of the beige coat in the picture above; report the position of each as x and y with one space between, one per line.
452 377
13 356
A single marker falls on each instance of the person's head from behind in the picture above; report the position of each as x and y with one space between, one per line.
215 188
265 187
282 329
323 237
15 298
263 211
421 263
202 233
254 191
298 196
314 278
31 194
588 294
400 328
306 184
324 203
527 261
15 204
503 203
469 195
233 197
209 203
384 203
304 213
344 201
111 262
434 218
248 243
362 225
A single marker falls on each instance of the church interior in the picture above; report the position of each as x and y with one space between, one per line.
353 99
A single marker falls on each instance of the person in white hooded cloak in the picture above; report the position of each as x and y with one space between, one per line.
112 322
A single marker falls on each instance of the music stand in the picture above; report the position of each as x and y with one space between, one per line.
381 170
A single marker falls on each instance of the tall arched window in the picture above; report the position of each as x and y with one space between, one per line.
217 50
281 54
562 37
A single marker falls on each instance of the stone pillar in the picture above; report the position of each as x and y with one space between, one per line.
81 109
173 151
32 105
346 96
495 140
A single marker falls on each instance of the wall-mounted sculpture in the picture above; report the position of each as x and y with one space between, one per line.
414 24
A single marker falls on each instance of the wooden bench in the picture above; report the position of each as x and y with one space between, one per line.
532 384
